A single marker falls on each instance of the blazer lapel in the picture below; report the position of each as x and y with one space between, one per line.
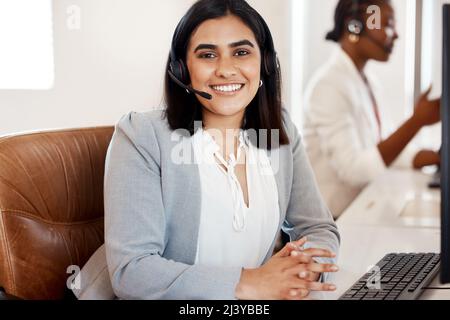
282 168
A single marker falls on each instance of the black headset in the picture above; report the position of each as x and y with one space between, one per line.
355 25
179 74
177 67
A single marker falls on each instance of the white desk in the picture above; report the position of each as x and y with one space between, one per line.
396 199
396 213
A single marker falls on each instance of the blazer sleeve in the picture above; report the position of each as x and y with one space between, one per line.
307 214
136 229
331 116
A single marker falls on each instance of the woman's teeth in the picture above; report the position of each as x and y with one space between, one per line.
228 88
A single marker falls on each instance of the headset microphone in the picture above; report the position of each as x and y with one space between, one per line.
188 88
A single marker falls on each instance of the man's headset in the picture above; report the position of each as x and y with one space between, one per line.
179 74
356 28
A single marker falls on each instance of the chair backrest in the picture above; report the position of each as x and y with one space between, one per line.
51 207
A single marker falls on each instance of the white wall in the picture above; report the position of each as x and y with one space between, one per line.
114 63
432 62
432 55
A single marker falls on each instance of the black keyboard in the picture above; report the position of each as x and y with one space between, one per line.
398 276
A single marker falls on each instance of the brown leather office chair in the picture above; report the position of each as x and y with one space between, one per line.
51 208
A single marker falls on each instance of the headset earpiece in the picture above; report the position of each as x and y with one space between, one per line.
178 68
355 26
177 71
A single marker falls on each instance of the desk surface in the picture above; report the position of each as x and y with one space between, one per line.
396 213
399 198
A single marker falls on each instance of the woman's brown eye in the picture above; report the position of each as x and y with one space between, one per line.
208 55
242 53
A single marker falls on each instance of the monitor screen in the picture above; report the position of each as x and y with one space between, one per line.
445 152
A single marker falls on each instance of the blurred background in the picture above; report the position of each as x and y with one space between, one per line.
78 63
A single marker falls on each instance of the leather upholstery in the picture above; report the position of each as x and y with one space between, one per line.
51 207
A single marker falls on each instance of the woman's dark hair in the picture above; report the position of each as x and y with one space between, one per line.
265 111
347 10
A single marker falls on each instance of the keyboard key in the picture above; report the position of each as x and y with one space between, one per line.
403 275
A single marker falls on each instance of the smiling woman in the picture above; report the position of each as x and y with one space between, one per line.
346 120
229 68
207 229
231 47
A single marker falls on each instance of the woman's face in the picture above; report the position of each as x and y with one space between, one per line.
224 60
379 43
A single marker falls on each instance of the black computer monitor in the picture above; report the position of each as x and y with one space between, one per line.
445 152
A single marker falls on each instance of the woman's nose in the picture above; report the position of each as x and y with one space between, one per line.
226 68
396 36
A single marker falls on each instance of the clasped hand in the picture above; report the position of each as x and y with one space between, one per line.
291 274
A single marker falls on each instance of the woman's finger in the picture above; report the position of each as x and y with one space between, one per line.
297 283
316 252
426 93
301 271
300 243
312 267
286 251
291 246
322 267
319 286
308 275
297 294
299 257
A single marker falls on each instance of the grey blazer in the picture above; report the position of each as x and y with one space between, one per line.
152 212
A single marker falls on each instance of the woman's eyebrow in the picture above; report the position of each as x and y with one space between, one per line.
241 43
205 46
231 45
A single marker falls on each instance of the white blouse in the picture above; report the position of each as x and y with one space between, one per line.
232 234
